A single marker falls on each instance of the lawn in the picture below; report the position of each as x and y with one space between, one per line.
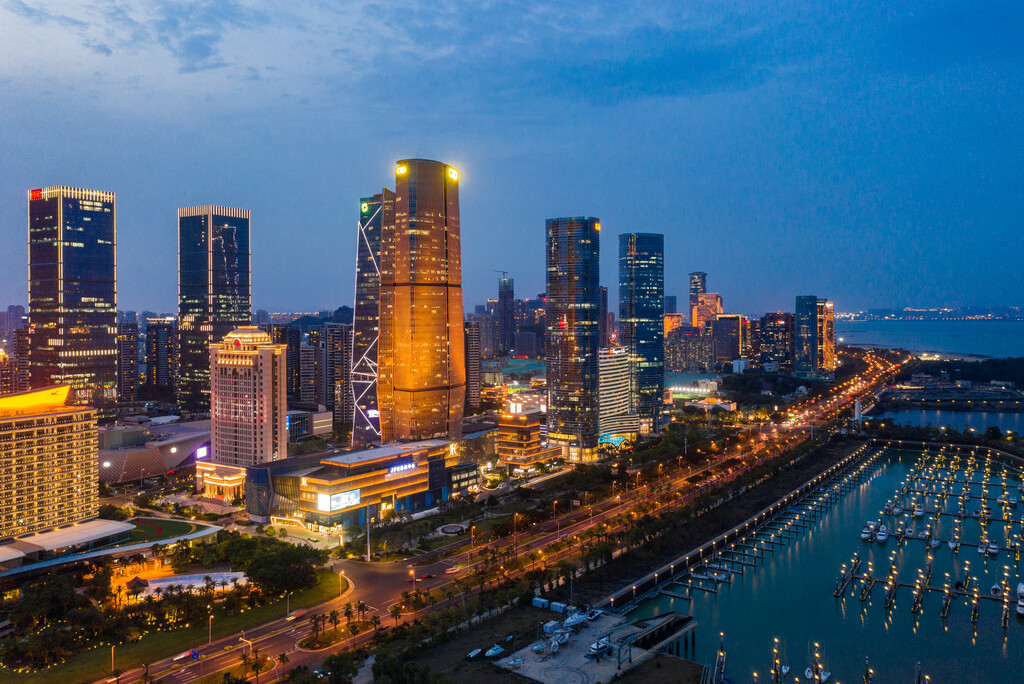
94 663
155 529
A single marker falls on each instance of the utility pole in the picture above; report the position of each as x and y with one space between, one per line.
368 556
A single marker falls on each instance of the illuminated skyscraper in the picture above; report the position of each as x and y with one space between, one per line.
248 401
213 292
815 337
374 212
571 343
128 362
421 383
72 292
777 339
473 363
642 319
617 374
161 353
506 315
709 305
337 371
698 286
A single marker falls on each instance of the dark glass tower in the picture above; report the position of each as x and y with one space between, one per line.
698 286
571 342
421 380
72 292
805 336
641 318
374 212
506 315
213 292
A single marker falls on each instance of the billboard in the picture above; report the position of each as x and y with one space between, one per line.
335 502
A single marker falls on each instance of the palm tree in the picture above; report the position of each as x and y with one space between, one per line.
256 662
334 618
349 612
361 609
396 612
282 660
244 657
315 621
448 593
375 621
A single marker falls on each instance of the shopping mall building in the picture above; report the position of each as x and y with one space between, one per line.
324 492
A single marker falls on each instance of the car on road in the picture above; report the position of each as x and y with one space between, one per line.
451 571
429 575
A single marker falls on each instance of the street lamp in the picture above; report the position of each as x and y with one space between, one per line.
211 628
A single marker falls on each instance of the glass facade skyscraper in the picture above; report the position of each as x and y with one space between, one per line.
72 292
571 340
213 292
642 318
421 372
814 337
374 212
506 315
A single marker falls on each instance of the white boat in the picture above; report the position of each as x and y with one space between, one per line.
516 663
494 651
982 549
825 675
1013 502
594 613
554 647
883 534
561 638
996 590
935 543
575 619
918 511
1020 599
600 646
865 533
951 544
539 646
908 532
993 548
897 508
808 673
474 653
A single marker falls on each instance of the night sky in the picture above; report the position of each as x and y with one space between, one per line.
867 152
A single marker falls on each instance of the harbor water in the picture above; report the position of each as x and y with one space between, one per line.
789 595
958 420
998 339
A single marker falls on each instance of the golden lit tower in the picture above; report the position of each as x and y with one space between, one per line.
421 382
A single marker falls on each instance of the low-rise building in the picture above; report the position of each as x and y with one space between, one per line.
519 442
324 492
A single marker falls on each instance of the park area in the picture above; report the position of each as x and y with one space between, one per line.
158 529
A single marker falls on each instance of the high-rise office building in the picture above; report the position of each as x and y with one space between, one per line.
290 336
161 353
709 305
307 389
571 340
698 286
814 337
617 401
128 362
248 402
72 292
602 318
20 358
689 352
506 315
337 373
421 382
777 340
6 373
213 292
10 321
670 304
374 213
488 334
48 462
472 343
728 331
642 319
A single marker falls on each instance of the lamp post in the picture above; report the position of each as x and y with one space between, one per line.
112 647
211 628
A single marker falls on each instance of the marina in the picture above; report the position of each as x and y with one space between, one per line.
934 576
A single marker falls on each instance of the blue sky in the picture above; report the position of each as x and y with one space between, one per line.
868 152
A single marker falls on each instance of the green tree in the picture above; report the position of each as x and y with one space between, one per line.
341 668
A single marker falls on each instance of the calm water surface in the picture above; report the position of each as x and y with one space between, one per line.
958 420
998 339
789 596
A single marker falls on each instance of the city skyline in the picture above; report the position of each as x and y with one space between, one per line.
770 163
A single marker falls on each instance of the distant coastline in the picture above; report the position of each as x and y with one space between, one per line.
966 340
